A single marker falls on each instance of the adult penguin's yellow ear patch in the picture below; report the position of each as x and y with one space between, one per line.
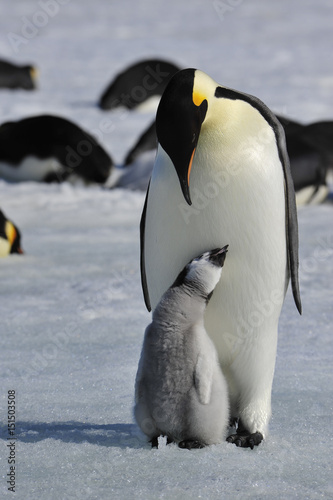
197 98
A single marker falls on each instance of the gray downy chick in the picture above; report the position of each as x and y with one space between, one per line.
180 391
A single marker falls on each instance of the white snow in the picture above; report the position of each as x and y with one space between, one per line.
72 311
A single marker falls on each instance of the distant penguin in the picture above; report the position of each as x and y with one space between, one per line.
137 83
146 142
10 237
222 171
180 391
310 149
15 77
49 148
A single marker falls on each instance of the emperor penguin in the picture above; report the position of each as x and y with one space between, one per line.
10 237
222 170
47 148
180 391
310 151
13 76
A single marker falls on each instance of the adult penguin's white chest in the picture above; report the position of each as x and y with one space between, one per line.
237 192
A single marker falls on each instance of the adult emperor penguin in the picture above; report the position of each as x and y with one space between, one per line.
222 174
180 391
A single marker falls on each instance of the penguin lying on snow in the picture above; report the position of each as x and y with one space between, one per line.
49 148
310 150
222 171
10 237
13 76
138 83
180 391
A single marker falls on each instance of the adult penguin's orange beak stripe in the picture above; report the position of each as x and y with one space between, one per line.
189 169
178 123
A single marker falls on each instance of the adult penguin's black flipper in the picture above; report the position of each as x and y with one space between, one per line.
291 215
142 254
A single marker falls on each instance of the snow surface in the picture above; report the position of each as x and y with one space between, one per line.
72 312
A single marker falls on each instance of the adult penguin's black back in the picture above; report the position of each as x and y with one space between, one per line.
15 77
55 147
137 83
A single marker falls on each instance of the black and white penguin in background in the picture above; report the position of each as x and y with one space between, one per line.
310 151
17 77
10 237
222 174
180 391
49 148
138 83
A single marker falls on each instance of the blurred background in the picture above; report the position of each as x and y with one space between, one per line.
278 51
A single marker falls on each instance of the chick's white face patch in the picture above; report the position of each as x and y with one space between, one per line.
205 272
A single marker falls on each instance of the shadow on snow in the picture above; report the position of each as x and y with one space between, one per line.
116 435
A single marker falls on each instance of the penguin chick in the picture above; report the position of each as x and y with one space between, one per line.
180 391
10 237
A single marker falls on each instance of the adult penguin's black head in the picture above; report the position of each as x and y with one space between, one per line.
193 102
179 117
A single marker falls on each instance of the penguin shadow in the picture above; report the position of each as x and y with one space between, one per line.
117 435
